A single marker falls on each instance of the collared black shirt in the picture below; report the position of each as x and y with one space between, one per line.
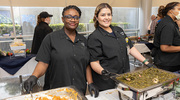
167 33
67 60
111 51
40 32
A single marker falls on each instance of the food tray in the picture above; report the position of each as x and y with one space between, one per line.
147 88
17 46
69 93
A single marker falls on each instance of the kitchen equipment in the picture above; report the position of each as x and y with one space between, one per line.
70 93
31 95
148 92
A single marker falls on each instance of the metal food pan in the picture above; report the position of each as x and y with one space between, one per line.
147 88
73 95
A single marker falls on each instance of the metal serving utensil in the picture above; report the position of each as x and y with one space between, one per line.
31 95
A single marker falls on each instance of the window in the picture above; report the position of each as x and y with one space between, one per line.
155 11
25 19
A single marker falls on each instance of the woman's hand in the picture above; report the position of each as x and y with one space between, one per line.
30 83
91 88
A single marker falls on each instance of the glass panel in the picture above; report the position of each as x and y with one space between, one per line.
6 27
155 11
26 17
126 18
5 21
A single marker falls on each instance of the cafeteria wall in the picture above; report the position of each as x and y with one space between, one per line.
157 3
62 3
144 6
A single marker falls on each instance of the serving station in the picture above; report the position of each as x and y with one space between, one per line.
144 92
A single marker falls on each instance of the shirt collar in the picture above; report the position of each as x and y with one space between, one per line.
64 35
169 18
172 21
43 23
105 33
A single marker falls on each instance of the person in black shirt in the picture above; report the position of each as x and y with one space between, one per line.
108 49
167 39
41 30
65 55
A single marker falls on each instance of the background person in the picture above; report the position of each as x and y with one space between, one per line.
167 39
108 49
153 17
41 30
160 13
153 24
65 55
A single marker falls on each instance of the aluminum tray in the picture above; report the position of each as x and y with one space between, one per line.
72 95
147 88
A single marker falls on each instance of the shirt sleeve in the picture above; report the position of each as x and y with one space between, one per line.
128 41
44 50
95 50
167 34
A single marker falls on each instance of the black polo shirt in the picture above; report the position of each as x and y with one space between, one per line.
67 60
111 51
166 33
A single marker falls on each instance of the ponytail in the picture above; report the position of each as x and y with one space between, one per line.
168 7
161 11
39 19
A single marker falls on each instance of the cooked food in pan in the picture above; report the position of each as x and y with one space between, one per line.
60 94
145 78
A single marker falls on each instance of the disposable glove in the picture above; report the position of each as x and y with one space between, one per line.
91 88
30 83
149 65
106 74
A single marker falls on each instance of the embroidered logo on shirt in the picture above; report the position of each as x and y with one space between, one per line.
127 40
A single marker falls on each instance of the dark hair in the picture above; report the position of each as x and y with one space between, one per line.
39 19
72 7
160 11
168 7
97 10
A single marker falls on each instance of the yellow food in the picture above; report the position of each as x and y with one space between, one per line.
53 98
18 51
17 44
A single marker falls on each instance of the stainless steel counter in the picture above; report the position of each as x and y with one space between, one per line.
12 86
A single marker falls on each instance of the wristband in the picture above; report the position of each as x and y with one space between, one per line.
144 61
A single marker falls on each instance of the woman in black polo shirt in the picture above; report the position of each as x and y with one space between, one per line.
65 56
167 39
108 49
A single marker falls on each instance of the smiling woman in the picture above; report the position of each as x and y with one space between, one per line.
63 57
108 49
71 20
